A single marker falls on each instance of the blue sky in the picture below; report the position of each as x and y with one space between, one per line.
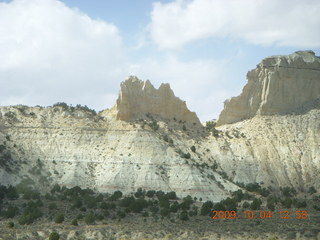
78 51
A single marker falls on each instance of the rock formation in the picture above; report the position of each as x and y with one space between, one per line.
138 98
279 85
75 147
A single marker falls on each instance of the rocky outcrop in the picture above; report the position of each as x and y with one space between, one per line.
279 85
76 147
138 98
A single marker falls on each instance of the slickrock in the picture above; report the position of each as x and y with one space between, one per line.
279 85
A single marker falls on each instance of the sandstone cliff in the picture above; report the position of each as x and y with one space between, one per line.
279 85
75 147
138 98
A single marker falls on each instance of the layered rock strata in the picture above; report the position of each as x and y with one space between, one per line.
138 98
279 85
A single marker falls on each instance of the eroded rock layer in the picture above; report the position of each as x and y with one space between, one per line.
279 85
138 98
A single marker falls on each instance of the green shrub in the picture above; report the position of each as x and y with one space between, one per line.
89 219
271 206
206 208
256 204
184 216
74 222
164 212
54 236
299 204
121 214
287 202
194 211
138 205
30 213
312 190
59 218
245 205
154 209
10 225
238 195
174 207
150 193
140 193
11 212
219 207
116 196
52 206
193 149
288 192
145 214
171 195
154 125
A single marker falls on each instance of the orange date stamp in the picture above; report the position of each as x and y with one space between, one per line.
260 214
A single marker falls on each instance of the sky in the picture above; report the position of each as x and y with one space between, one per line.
79 51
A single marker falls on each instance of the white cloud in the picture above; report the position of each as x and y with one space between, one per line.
200 82
52 53
292 23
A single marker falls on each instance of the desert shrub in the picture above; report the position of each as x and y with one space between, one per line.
184 216
230 204
271 206
52 206
55 188
186 155
10 225
138 205
288 192
80 216
115 196
77 203
91 201
245 205
12 193
30 213
256 204
164 212
140 193
154 125
206 208
74 222
154 209
121 214
54 236
126 201
219 207
150 193
238 195
299 204
89 218
312 190
194 211
62 105
11 212
171 195
193 149
59 218
174 207
159 194
145 214
287 202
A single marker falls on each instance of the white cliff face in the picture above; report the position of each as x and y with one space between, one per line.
138 98
78 148
279 85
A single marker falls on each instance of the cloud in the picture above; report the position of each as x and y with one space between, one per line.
201 83
50 53
290 23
